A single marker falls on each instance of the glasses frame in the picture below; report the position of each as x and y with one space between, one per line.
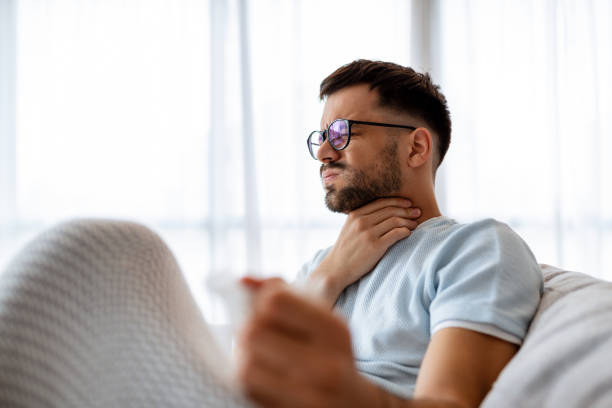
349 123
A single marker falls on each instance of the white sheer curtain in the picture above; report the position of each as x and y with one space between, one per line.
530 89
191 116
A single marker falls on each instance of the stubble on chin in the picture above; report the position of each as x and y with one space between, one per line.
350 198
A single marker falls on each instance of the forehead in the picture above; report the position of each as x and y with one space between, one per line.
355 102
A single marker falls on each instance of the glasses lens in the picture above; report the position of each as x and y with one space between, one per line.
315 140
338 133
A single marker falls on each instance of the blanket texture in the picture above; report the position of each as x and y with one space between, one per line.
98 314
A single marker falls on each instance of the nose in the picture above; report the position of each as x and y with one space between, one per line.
326 153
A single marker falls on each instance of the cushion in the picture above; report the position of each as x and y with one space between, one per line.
566 357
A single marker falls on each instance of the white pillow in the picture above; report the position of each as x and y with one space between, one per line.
566 358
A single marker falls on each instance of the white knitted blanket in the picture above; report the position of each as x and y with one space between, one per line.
98 314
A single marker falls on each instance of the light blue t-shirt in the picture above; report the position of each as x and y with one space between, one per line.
480 276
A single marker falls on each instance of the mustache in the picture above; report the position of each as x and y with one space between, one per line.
328 166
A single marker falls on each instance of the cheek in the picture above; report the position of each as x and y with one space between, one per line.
364 159
360 158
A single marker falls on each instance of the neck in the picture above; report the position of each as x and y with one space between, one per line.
426 202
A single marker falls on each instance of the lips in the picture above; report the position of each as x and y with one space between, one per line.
328 176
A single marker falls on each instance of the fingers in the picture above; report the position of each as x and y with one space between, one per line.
261 385
392 222
382 203
271 390
386 213
277 306
394 235
288 347
383 209
256 283
269 346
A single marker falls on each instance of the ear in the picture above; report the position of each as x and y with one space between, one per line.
421 147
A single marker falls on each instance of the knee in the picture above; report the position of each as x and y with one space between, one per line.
90 248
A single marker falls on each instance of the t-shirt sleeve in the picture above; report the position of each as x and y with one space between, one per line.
486 280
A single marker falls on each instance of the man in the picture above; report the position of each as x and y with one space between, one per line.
423 315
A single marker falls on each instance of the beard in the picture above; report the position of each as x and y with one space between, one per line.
364 187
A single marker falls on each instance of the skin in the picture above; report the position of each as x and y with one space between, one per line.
295 352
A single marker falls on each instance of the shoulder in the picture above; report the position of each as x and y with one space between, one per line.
486 257
484 227
444 230
484 237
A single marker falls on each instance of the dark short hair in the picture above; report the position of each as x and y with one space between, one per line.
400 88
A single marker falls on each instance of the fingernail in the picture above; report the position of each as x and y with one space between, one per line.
415 211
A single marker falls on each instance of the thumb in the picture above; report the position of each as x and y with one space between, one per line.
255 284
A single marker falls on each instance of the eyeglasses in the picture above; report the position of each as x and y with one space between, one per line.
339 134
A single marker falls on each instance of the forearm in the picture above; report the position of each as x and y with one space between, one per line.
384 399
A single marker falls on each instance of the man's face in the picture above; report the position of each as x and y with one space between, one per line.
369 167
